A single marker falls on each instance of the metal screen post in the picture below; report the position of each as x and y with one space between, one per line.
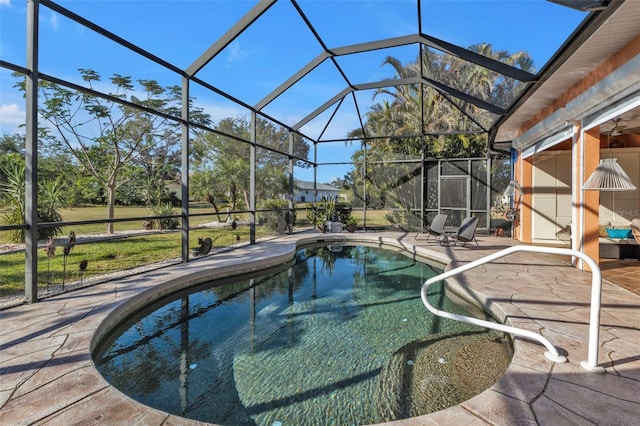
252 179
364 187
31 157
289 217
184 178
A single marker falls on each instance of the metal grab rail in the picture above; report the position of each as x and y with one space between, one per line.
552 353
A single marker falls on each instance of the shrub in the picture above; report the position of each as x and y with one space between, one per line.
275 220
50 199
344 213
13 197
405 220
167 222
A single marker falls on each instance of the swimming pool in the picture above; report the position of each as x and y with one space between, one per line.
340 336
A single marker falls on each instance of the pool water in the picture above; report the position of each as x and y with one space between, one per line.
339 337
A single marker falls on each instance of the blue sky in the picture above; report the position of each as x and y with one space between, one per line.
276 46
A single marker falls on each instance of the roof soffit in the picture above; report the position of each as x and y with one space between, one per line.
614 29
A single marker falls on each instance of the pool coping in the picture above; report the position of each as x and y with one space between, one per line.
48 375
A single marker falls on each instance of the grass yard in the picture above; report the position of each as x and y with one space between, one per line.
109 255
78 214
374 217
100 212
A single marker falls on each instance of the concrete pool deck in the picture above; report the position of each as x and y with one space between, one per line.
47 375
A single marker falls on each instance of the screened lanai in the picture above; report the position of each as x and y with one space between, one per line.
135 131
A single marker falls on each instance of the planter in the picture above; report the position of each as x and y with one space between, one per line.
351 228
619 233
322 228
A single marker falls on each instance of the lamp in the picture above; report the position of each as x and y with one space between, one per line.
513 214
608 176
615 132
511 189
616 143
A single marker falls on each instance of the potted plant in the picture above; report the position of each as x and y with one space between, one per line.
351 224
321 220
619 231
317 218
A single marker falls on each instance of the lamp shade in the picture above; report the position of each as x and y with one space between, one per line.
512 188
609 176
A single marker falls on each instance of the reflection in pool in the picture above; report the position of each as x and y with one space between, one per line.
341 337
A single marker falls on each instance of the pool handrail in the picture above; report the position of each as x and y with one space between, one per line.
552 353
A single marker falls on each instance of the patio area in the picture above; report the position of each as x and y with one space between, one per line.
48 376
622 272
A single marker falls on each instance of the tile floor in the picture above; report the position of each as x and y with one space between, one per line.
625 273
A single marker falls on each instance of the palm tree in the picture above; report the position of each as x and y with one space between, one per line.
414 118
417 109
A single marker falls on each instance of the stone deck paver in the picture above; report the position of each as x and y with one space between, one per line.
47 375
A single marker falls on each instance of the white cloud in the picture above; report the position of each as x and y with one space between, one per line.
235 52
10 118
53 20
6 3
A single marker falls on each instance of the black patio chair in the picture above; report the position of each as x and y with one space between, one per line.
466 232
436 227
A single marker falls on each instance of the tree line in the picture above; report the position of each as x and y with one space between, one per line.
96 150
413 120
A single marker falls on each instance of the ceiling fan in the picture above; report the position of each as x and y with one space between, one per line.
631 126
617 129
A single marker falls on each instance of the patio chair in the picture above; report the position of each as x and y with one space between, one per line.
436 227
466 231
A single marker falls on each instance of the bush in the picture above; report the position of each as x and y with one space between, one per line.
168 222
275 220
405 220
13 197
344 213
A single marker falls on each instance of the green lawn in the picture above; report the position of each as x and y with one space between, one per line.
109 255
77 214
100 212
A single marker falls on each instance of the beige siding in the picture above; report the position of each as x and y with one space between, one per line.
551 198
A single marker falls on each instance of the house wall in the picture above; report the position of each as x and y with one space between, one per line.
619 208
551 201
522 227
551 197
539 211
585 217
629 141
308 195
